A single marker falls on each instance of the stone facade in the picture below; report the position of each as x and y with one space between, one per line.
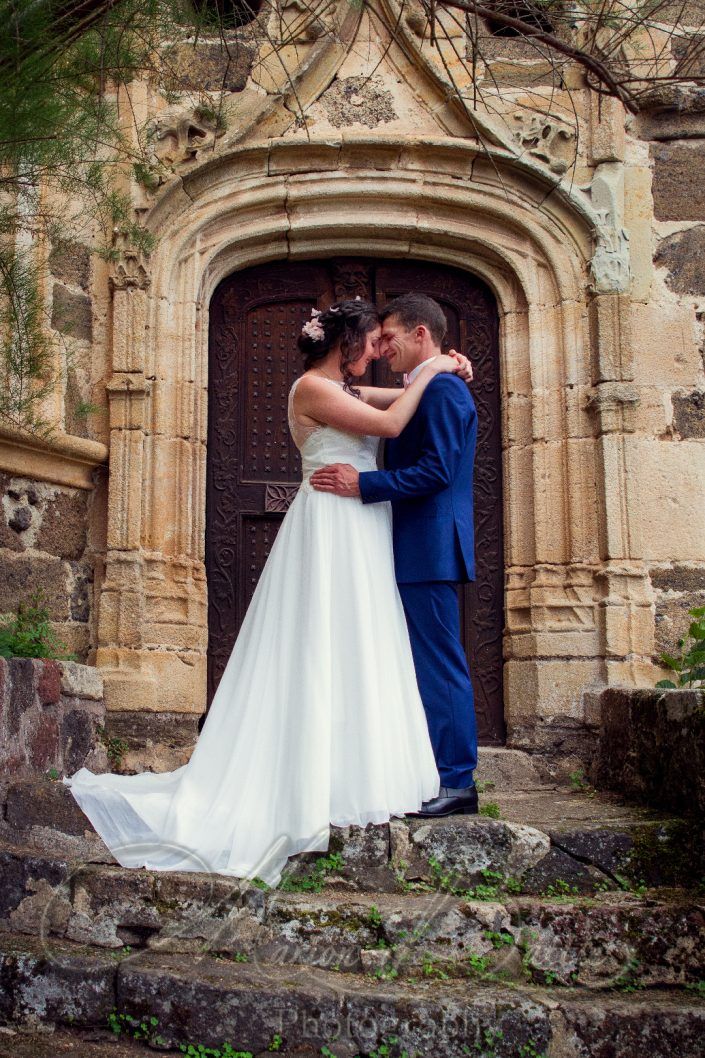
591 245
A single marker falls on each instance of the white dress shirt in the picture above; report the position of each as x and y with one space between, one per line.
408 379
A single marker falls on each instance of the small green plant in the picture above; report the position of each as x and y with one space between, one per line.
29 633
577 780
198 1050
487 1046
498 939
120 953
239 956
698 987
387 1048
52 774
493 884
116 748
639 888
478 964
386 973
258 883
327 1052
528 1050
374 918
430 969
561 888
138 1028
316 879
490 809
276 1044
483 785
690 666
628 979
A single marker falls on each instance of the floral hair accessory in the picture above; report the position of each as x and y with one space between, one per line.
313 328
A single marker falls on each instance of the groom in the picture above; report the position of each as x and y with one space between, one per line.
428 477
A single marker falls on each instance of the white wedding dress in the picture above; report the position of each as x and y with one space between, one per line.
317 718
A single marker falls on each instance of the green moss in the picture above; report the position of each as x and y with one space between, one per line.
665 853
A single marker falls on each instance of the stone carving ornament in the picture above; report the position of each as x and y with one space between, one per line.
178 135
547 139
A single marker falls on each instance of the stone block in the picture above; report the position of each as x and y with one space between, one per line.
72 314
209 66
80 590
679 578
44 803
49 682
678 187
665 343
557 866
611 338
69 261
81 681
666 512
652 747
538 689
673 620
689 413
606 129
638 216
23 677
79 734
63 524
44 743
21 576
69 987
683 254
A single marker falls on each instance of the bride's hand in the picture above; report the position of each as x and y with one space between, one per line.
445 364
465 370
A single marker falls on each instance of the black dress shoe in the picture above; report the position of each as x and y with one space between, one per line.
450 802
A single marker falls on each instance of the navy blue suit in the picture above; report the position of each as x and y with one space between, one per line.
428 477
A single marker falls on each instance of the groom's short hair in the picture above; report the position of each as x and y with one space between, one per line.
412 310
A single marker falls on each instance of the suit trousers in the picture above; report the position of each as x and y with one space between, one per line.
433 619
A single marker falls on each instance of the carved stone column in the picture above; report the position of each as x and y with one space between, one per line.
121 614
625 599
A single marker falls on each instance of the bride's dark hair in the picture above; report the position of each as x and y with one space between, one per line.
346 322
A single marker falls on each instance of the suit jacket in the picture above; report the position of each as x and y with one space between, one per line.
428 477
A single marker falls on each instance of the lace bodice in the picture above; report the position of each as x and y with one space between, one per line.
320 445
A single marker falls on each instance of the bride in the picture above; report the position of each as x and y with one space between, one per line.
317 718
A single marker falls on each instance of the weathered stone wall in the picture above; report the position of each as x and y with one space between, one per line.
50 715
652 748
669 297
46 546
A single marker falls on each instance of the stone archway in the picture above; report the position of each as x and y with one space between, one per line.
575 592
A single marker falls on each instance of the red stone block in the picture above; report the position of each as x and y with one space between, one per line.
44 750
49 683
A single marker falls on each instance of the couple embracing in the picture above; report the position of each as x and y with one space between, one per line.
347 697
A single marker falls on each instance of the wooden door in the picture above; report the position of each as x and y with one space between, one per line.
254 467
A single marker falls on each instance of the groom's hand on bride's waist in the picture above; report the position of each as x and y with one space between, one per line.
339 478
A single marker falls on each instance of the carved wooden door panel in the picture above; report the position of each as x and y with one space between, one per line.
254 467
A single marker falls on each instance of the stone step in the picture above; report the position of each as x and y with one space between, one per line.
575 841
257 1007
655 940
27 1041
